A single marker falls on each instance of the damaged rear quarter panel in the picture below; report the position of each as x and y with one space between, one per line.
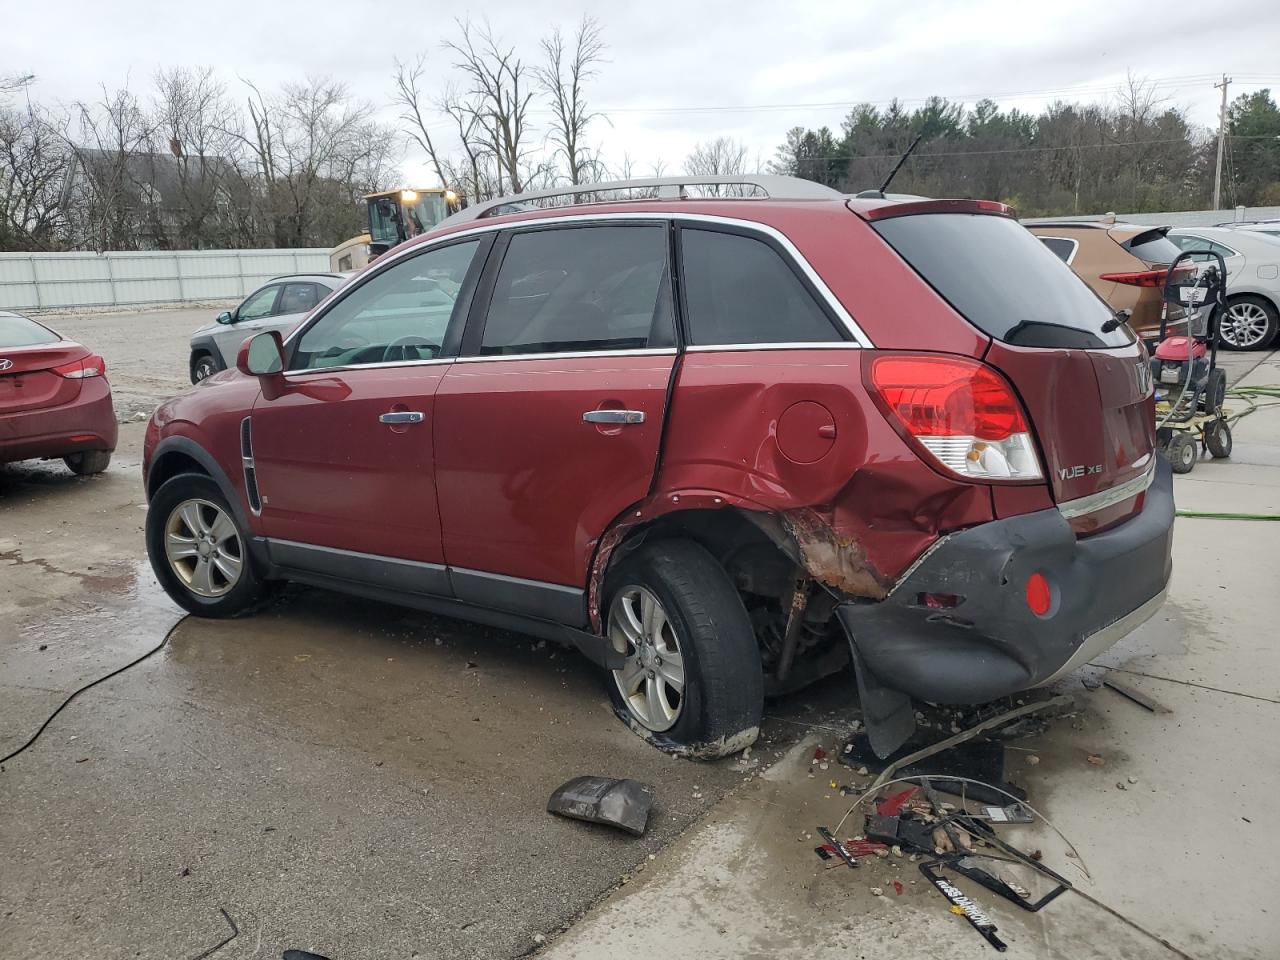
861 513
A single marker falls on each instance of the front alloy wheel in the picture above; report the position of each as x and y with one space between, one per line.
203 548
652 680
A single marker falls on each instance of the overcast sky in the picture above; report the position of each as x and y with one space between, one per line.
678 73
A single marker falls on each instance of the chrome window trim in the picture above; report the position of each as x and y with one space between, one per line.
392 257
571 355
316 371
791 345
1075 245
1109 497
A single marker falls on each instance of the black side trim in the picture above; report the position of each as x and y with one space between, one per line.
546 601
189 448
594 648
391 573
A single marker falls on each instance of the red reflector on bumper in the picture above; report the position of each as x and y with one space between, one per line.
1039 595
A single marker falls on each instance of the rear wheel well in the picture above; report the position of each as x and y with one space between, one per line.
169 465
763 563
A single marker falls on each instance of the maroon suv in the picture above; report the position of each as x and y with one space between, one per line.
722 445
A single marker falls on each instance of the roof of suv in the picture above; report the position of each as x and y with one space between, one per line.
328 279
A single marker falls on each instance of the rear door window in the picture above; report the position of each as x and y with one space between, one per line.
738 289
1153 246
298 298
16 331
574 289
1003 280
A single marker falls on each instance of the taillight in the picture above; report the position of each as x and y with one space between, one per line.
1139 278
91 366
962 412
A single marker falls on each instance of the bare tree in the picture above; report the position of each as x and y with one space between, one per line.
563 76
33 167
12 84
409 97
499 82
199 126
719 157
114 200
315 150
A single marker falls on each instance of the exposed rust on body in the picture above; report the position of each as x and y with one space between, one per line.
838 561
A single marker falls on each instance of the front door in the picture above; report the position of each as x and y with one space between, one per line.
344 456
549 425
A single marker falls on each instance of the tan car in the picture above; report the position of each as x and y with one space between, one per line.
1124 263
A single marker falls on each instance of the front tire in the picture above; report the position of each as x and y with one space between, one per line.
87 462
692 683
1182 452
198 551
203 366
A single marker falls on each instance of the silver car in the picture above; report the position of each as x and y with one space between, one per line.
1253 281
280 304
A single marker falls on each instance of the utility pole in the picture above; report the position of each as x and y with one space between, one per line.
1222 139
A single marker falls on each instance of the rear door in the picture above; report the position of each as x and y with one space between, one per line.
1081 373
343 455
549 424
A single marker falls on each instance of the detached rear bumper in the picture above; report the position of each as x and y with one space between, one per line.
991 644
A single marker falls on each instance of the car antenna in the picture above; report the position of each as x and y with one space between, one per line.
879 194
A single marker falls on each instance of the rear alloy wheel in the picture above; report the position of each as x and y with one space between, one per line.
203 368
1250 323
87 462
692 681
198 551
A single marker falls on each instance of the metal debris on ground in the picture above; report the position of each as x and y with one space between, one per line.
1128 692
617 803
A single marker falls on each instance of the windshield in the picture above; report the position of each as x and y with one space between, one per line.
16 331
1003 280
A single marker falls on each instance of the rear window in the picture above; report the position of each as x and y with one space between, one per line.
1003 280
1153 246
16 331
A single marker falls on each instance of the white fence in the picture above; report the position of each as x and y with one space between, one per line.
52 281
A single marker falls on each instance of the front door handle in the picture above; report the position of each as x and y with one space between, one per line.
613 416
402 416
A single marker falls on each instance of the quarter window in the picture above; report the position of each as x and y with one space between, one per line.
298 298
581 288
400 314
1062 247
739 290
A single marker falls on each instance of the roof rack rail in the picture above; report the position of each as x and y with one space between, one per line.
1237 223
750 186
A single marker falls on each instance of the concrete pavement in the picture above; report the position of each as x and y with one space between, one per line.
1187 851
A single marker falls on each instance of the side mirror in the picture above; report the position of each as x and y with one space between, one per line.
261 355
225 317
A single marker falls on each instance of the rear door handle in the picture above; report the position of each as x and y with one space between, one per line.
402 416
613 416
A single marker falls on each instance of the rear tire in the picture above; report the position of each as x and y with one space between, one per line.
1215 391
700 618
1182 452
87 462
199 552
1250 323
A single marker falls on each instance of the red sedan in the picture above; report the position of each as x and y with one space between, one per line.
55 400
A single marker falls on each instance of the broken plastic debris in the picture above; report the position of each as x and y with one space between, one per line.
898 887
1096 760
617 803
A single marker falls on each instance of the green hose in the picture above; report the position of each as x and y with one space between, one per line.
1249 395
